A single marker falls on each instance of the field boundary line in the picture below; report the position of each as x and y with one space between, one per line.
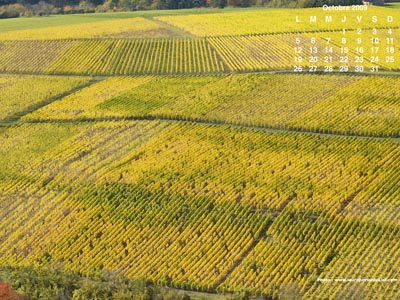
214 123
292 32
227 71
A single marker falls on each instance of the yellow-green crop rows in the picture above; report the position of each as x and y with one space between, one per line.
258 40
21 94
111 57
280 21
30 56
152 197
151 56
219 54
277 51
79 105
325 104
163 162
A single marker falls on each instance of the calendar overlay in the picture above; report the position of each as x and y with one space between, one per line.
364 43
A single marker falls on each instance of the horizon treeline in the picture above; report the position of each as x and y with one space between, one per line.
27 8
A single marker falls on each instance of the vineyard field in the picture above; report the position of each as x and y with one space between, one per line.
325 104
249 53
178 55
198 150
111 57
317 246
152 56
275 21
19 94
77 106
30 56
110 203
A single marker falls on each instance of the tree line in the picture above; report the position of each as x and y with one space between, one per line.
27 8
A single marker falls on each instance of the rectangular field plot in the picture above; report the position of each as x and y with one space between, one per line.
148 56
30 56
22 94
82 103
329 52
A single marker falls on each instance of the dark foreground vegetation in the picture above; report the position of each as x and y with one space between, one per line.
55 283
52 282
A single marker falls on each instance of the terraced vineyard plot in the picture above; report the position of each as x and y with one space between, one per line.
277 21
133 217
21 93
369 204
295 248
326 104
30 56
22 144
151 197
133 26
357 107
111 57
276 51
255 53
304 246
252 100
152 56
76 106
376 253
278 167
80 104
362 104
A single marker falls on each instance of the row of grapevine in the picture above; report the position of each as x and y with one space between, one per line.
152 197
353 105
